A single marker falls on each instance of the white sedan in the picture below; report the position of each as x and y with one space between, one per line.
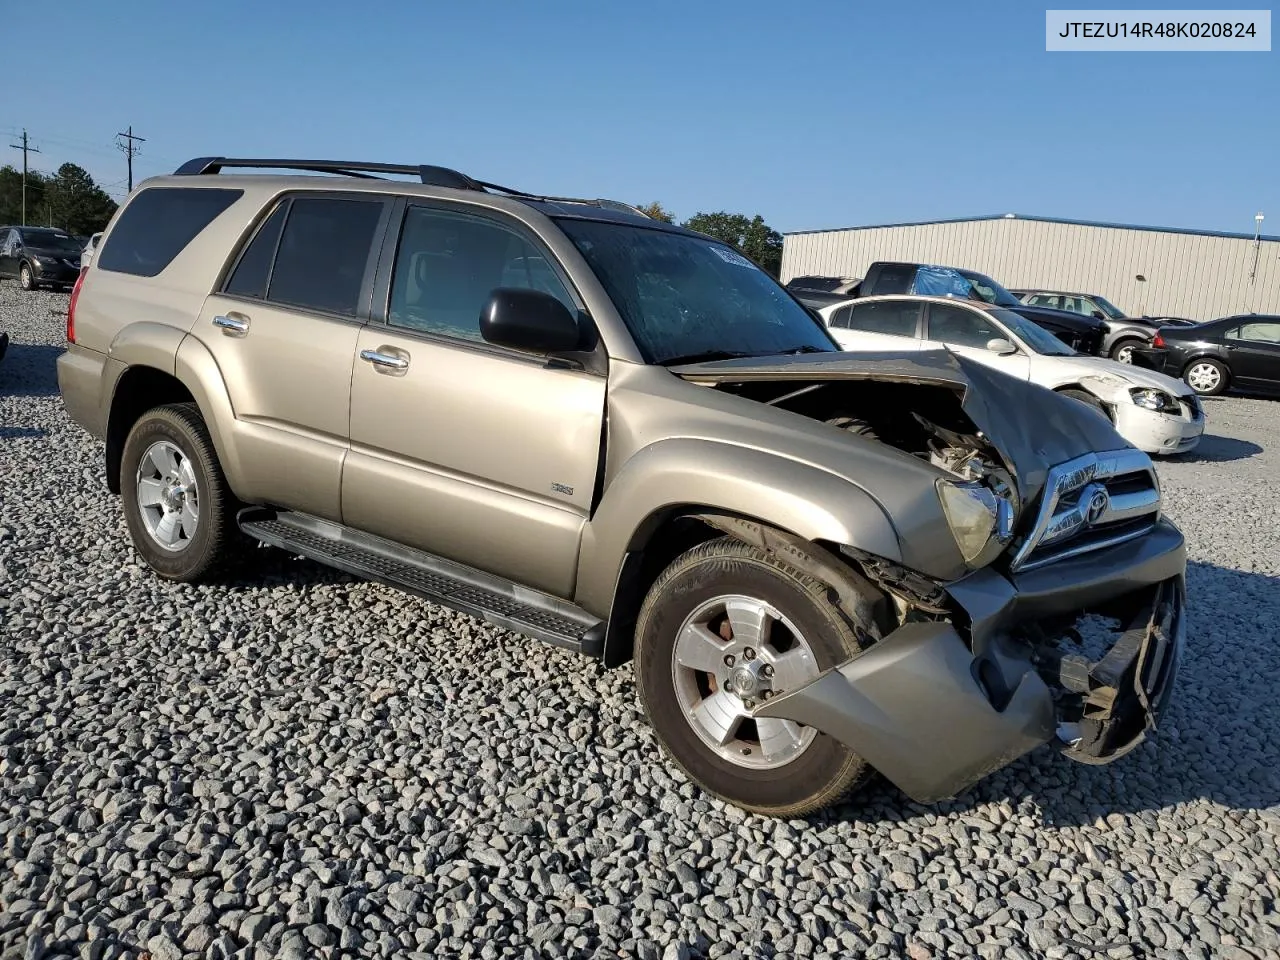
1155 413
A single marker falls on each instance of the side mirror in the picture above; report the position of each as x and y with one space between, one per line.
1099 314
1001 346
529 320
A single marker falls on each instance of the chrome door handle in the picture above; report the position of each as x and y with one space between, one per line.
231 326
384 360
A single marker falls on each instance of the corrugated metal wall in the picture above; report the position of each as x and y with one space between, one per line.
1187 275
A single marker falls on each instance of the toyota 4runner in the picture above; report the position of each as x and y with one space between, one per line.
625 438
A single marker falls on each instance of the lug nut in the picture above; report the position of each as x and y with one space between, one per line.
728 660
748 654
766 670
766 694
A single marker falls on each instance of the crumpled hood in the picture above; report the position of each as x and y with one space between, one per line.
1120 376
1032 428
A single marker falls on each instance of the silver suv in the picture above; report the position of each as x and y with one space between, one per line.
625 438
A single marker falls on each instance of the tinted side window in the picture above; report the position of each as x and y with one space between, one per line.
157 226
449 263
323 253
1262 332
894 317
963 328
895 279
841 317
253 272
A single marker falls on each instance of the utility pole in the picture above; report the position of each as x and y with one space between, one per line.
129 150
26 148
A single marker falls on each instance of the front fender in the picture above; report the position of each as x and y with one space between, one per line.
800 498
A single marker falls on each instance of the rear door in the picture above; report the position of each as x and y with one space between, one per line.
1254 352
8 260
878 325
283 329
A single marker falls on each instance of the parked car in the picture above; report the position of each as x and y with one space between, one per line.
1123 332
4 344
644 448
1241 351
1083 334
86 255
815 291
1155 413
38 256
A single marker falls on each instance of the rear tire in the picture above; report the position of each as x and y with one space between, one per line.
1089 400
1207 377
801 770
183 522
1122 350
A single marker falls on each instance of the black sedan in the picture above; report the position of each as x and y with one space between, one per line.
1241 351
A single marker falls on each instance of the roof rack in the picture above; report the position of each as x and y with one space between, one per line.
429 175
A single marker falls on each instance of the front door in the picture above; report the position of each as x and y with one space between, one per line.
1254 350
967 331
8 253
283 331
478 454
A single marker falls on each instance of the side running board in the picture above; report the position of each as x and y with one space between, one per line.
498 601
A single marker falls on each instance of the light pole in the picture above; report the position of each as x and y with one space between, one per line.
1257 243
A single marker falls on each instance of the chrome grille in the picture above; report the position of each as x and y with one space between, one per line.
1092 502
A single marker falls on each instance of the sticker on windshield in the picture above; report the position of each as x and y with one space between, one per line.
731 256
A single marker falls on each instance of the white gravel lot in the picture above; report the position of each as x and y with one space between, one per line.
303 765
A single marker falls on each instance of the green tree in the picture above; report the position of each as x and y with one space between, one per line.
657 212
11 195
752 236
76 203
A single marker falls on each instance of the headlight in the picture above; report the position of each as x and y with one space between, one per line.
1150 399
980 521
38 261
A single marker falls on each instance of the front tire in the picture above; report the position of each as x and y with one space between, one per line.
180 511
26 279
724 627
1206 377
1089 400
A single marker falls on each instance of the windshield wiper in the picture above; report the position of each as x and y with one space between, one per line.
704 356
807 348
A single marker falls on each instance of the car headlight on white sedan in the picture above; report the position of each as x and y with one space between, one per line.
1151 399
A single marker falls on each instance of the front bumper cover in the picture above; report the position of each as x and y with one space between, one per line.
935 707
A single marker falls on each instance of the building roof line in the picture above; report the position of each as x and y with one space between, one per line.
1020 216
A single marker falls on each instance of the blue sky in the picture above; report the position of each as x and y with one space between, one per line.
813 114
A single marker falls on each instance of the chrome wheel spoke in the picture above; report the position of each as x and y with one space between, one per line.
189 519
750 621
719 716
149 492
779 738
791 670
699 649
186 476
168 528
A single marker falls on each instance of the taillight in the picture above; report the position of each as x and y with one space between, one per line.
1157 341
71 307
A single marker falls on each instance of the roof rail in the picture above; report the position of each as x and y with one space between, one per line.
429 175
433 176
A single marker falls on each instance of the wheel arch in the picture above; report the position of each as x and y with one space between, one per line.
139 388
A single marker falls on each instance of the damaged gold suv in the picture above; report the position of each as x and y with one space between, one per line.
625 438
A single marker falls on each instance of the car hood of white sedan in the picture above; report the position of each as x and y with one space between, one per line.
1103 374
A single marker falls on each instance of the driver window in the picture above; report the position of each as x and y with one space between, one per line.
962 328
449 263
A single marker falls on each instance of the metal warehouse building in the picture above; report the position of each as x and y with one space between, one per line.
1142 270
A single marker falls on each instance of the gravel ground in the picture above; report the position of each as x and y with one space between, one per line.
303 765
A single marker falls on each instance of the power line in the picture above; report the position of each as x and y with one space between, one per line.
26 148
129 150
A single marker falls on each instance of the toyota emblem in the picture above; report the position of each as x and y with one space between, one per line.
1099 501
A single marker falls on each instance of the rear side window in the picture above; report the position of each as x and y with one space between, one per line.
894 317
252 273
841 318
157 226
323 254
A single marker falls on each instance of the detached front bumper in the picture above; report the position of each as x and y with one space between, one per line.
1162 433
936 706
